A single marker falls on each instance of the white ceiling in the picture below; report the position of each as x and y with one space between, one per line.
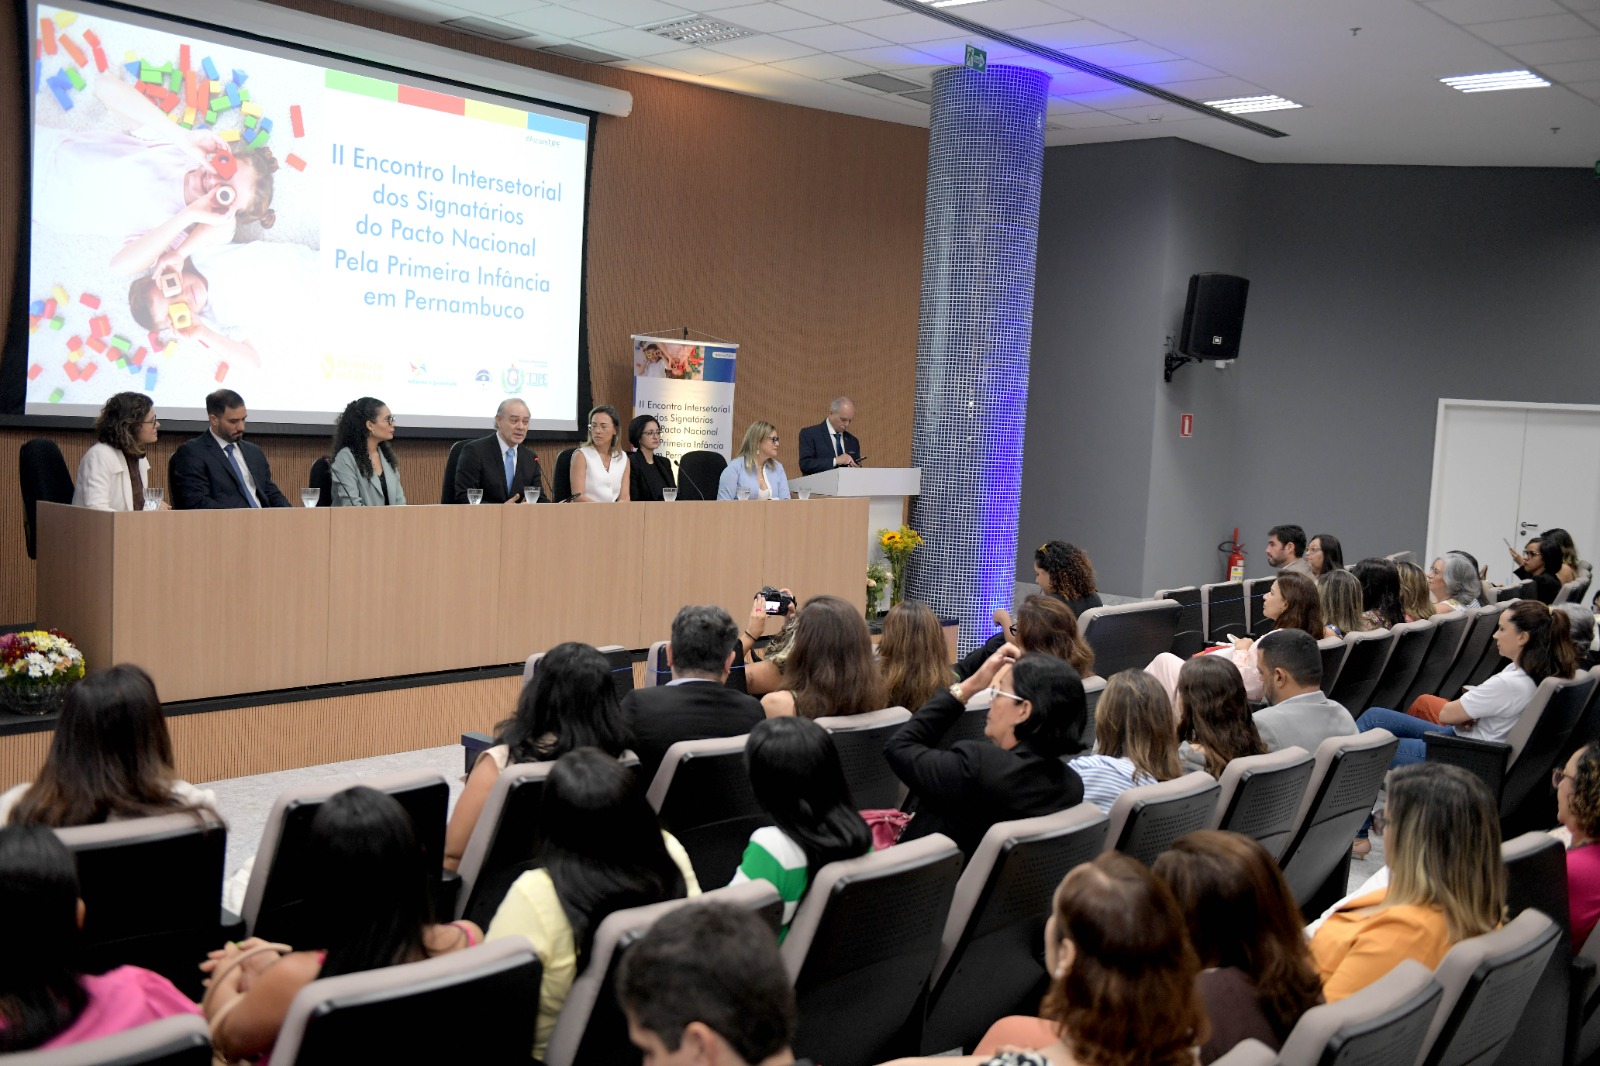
1366 71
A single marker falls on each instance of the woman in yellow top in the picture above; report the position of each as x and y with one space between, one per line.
603 851
1446 882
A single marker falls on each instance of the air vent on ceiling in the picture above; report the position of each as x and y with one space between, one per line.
578 51
495 31
1053 126
698 29
924 97
884 83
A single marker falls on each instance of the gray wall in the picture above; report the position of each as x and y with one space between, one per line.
1374 292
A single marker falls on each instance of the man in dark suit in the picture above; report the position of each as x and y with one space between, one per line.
219 468
499 464
831 444
695 704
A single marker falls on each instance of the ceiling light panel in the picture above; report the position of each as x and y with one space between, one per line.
1246 105
1488 83
697 29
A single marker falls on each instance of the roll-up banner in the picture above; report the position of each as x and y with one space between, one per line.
687 386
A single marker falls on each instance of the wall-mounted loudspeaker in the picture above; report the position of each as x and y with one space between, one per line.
1213 316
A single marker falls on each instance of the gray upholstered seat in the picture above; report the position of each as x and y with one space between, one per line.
182 1040
1363 664
1449 632
1129 635
1261 795
1478 642
1344 785
702 793
1384 1024
1333 651
1412 640
1248 1053
1144 821
1487 982
860 739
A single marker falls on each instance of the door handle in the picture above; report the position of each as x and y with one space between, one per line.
1525 526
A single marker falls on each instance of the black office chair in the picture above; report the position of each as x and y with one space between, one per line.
561 480
698 474
321 479
447 492
43 475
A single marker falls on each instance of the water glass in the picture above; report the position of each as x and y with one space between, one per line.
309 497
474 495
805 494
153 498
530 494
744 494
669 495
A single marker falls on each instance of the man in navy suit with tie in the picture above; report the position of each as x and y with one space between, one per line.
499 464
219 468
830 444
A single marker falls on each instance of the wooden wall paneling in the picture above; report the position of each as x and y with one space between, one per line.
819 546
701 553
76 578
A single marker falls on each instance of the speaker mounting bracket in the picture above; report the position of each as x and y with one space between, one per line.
1173 361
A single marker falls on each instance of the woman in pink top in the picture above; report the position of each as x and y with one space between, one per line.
1578 808
44 1001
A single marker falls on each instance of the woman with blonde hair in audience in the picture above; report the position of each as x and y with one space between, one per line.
110 758
369 907
1325 554
829 669
913 656
1578 810
1416 600
1123 975
1454 584
1135 742
1340 594
1446 882
1214 722
1258 977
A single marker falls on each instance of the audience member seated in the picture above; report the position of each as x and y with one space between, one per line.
365 471
1380 592
571 703
828 669
1044 624
1123 978
1582 619
1036 714
1324 554
1135 742
1446 882
697 703
370 907
1063 572
755 471
1257 976
1454 584
1286 549
798 781
1299 715
599 470
45 1002
114 472
1538 642
1416 599
1214 723
110 759
603 851
706 985
1571 565
649 472
1541 563
762 673
913 656
1578 810
1340 595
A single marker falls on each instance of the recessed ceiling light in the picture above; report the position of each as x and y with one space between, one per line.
1244 105
697 29
1488 83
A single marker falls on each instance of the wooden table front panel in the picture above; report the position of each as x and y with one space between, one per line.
700 553
570 573
75 567
815 547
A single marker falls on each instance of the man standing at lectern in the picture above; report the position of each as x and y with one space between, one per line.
219 468
830 444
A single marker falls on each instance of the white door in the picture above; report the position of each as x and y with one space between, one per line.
1505 472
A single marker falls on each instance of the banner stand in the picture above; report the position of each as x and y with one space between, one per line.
687 386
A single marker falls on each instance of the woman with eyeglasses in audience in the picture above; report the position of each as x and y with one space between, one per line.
649 472
755 473
571 703
110 759
1134 739
1577 787
913 656
603 851
1214 722
1416 599
1065 574
365 470
1324 554
115 471
1541 564
1380 592
1454 584
600 471
370 907
1036 714
828 669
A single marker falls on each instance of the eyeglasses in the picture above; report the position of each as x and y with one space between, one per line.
1558 775
598 425
773 439
1012 629
151 422
651 433
996 690
386 418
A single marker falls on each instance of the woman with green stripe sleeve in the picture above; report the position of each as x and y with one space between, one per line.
798 781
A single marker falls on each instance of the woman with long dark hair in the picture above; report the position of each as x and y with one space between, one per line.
46 1001
798 781
365 470
913 656
1541 563
369 907
603 851
1380 592
110 759
571 703
1214 722
828 669
1325 554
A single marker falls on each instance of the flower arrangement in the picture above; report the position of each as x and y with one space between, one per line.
877 578
897 545
36 666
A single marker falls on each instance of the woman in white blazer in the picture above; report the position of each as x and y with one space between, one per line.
115 472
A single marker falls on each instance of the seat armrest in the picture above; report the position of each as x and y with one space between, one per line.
446 891
474 745
230 928
1486 759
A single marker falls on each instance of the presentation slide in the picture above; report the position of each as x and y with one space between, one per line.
206 213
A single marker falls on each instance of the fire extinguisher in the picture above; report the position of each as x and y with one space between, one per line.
1235 552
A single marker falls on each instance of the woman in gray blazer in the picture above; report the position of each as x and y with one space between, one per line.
365 470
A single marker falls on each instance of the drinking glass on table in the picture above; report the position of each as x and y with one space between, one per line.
474 495
309 497
744 494
669 495
530 494
805 494
153 498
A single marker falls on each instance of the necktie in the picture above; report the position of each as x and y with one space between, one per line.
238 472
511 468
838 445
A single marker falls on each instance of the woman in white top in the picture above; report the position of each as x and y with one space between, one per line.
756 471
1135 739
114 473
600 467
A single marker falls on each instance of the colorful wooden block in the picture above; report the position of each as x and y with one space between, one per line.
88 371
57 322
209 67
92 38
120 343
150 379
100 63
55 396
34 371
47 36
179 315
222 372
59 294
229 135
74 51
297 121
295 161
89 301
97 345
65 19
74 77
183 57
252 109
74 343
